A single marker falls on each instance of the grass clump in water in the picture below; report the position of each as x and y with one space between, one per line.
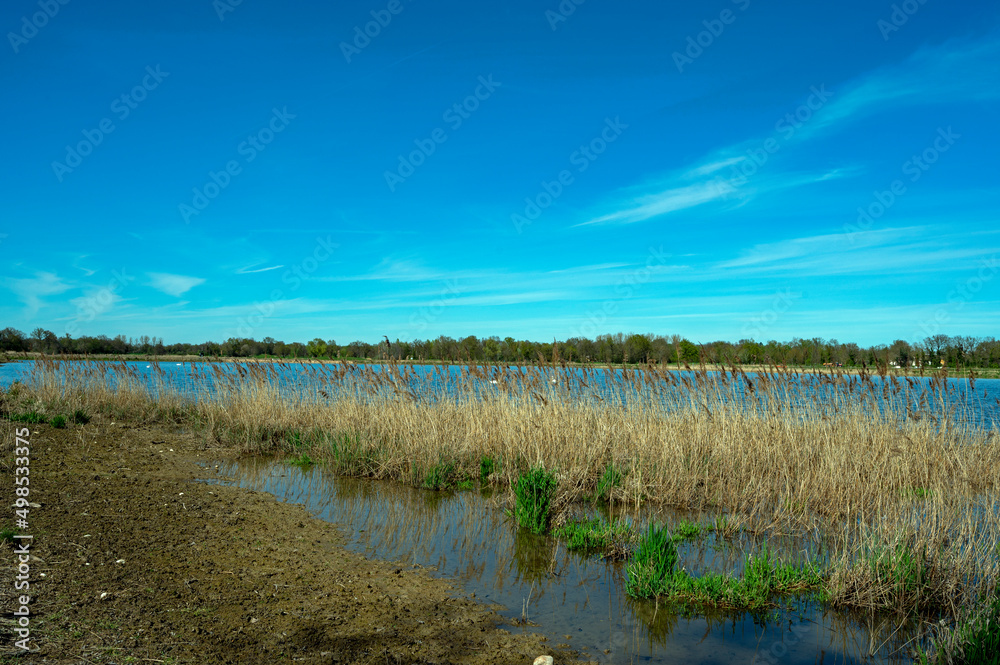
973 641
533 499
612 538
687 530
654 574
651 573
302 460
440 477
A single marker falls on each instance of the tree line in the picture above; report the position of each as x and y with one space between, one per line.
933 351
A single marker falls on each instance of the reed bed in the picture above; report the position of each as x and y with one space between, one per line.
903 474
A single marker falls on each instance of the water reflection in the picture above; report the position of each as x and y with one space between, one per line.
563 593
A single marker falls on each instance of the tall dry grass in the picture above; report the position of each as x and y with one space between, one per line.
899 473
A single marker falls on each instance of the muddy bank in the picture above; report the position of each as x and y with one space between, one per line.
142 564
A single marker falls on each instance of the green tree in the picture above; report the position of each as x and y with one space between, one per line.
317 348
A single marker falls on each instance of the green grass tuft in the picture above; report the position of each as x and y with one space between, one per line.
652 570
610 479
302 460
595 534
976 641
440 477
906 572
30 417
486 466
686 531
653 574
7 535
533 499
80 417
59 422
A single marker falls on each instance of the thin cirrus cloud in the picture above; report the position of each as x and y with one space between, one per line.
32 290
900 250
641 208
955 71
252 268
173 285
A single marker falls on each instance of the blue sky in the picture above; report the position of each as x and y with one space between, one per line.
199 170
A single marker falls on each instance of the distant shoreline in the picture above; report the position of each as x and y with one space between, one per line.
953 372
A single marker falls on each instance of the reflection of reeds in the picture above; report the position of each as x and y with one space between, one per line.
877 459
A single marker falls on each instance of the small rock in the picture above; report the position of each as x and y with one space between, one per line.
104 594
543 660
120 561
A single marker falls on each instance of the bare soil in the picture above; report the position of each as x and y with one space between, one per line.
138 563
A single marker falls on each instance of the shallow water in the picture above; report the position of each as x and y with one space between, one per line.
571 598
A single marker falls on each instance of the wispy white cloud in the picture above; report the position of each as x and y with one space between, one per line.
173 285
915 249
87 272
252 268
955 71
32 290
653 205
641 208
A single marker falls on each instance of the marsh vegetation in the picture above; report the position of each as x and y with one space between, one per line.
893 484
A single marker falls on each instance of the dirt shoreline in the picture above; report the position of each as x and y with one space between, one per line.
141 564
